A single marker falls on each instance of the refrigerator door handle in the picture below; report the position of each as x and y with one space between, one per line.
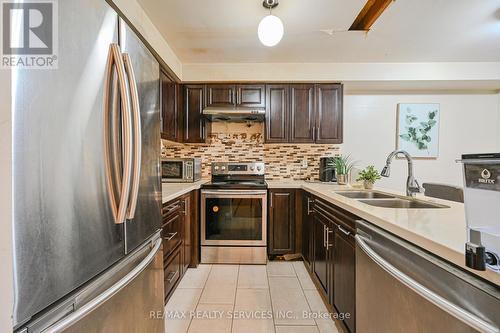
137 134
441 302
106 295
115 61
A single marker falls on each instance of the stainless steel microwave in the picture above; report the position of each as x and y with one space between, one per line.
180 170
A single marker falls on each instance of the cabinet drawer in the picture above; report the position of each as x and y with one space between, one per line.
171 234
170 208
172 272
337 214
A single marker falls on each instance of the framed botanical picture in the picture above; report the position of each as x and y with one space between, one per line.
418 129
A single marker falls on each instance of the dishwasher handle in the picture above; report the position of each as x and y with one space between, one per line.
441 302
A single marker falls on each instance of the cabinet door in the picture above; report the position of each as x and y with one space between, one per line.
194 124
320 264
170 111
221 95
251 95
195 229
171 233
172 273
282 221
277 101
302 113
329 110
344 277
307 211
187 231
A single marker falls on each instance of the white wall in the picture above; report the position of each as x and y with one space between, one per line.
356 72
498 122
469 124
5 204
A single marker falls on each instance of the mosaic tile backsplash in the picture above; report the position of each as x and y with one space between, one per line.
236 142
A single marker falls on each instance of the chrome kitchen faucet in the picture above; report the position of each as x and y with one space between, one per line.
412 185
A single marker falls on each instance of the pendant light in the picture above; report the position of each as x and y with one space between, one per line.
270 30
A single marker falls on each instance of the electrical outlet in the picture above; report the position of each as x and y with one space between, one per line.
304 163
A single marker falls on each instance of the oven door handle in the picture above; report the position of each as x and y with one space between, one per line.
234 192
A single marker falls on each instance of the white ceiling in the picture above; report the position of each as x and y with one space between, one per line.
216 31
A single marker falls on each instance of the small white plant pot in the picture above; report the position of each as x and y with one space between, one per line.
368 185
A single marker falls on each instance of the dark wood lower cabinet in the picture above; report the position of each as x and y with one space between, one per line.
179 232
281 221
344 296
307 226
172 272
195 229
321 255
331 255
186 206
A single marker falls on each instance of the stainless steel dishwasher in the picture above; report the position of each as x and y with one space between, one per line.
402 288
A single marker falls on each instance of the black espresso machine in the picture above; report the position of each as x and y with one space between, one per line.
327 169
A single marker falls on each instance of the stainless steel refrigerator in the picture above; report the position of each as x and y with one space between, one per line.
87 248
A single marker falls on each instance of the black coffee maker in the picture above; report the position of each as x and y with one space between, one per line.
327 169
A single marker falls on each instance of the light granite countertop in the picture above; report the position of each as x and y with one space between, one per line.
170 191
440 231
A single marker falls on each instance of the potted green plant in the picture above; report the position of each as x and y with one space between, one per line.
343 166
369 176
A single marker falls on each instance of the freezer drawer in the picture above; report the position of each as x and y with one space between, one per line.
401 288
126 298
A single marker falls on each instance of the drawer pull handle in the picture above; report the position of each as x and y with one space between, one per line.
171 208
327 242
309 202
171 236
345 232
171 276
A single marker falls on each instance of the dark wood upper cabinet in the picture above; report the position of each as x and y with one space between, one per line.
277 100
171 115
221 95
329 112
302 113
229 95
251 95
295 113
281 221
194 124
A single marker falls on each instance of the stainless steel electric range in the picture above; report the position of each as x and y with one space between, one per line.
234 214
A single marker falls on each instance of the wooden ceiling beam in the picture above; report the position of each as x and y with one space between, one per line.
370 12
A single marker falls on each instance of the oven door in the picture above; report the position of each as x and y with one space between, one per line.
233 217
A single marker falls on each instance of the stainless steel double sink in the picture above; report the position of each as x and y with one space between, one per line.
385 200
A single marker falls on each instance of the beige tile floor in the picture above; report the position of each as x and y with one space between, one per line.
247 298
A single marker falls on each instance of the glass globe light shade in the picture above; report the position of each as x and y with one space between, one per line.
270 30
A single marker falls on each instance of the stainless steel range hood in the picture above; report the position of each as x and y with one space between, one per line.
234 114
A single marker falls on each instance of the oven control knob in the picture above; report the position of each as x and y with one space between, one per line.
259 168
216 167
223 168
